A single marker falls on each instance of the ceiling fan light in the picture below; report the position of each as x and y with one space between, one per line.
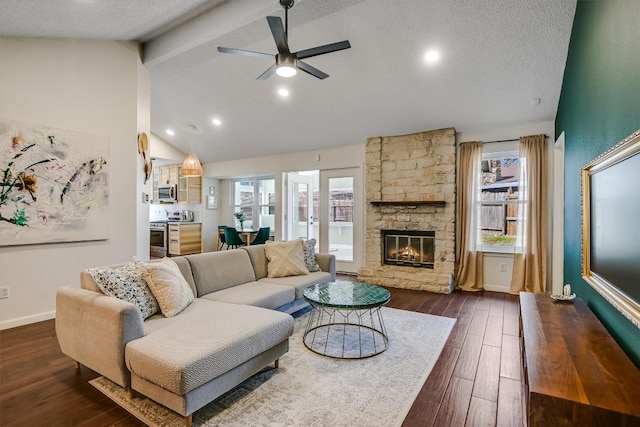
286 71
191 166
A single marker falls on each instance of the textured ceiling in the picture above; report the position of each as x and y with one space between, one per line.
496 56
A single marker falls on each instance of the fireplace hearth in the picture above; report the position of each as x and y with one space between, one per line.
408 248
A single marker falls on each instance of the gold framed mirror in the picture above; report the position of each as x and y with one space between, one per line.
611 226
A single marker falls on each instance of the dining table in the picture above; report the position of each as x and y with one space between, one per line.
244 234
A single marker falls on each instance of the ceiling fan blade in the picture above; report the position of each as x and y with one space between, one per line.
312 70
321 50
279 36
268 73
245 52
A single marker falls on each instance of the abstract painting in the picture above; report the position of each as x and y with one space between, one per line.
53 185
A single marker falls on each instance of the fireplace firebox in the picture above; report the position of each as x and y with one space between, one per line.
408 248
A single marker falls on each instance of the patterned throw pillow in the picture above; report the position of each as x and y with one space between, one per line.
168 285
310 255
285 258
127 283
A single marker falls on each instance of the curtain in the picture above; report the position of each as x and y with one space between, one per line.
468 240
530 257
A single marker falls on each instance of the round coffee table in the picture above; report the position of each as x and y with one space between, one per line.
345 320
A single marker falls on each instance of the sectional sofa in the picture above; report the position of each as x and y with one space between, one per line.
236 323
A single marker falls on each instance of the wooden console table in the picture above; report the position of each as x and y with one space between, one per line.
575 373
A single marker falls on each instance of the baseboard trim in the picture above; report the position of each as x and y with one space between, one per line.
27 320
496 288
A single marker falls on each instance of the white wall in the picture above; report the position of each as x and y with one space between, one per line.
84 86
498 268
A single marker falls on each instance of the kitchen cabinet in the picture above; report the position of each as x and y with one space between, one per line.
168 175
185 238
190 189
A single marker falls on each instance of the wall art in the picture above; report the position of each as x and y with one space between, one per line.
53 185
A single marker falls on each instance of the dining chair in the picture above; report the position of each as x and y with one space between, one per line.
221 237
232 238
262 236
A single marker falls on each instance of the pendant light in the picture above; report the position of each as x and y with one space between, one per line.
191 166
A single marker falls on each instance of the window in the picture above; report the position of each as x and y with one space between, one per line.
499 200
257 200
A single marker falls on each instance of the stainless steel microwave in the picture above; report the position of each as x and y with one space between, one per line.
167 193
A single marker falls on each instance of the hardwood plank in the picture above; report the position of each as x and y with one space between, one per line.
424 414
441 306
493 334
479 321
455 305
497 305
468 359
455 405
511 323
510 358
510 403
436 384
463 321
488 375
481 413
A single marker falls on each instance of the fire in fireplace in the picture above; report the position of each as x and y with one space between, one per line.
408 248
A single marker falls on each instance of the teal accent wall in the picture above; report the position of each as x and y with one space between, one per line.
599 106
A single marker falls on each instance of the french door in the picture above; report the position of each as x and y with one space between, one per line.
299 206
342 216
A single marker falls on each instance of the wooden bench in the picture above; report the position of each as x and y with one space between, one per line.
575 373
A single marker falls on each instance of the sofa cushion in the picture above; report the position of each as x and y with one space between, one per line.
309 252
258 260
214 271
168 286
300 283
185 269
285 258
127 283
258 294
206 340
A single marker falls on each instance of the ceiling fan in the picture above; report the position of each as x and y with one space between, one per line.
287 62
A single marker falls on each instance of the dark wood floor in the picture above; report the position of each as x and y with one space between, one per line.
476 382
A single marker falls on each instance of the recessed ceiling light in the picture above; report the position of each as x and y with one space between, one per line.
283 92
217 122
432 56
170 132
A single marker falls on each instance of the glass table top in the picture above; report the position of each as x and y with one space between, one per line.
348 295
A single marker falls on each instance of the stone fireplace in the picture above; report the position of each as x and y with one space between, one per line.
410 192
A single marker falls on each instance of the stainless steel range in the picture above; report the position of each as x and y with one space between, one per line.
158 239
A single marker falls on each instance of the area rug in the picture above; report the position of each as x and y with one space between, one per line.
313 390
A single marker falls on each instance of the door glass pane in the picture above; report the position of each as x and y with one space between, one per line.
300 207
341 218
267 203
244 202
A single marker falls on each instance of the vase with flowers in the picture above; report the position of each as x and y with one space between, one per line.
240 217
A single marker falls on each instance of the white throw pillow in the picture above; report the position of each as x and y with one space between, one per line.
285 258
168 285
310 255
127 283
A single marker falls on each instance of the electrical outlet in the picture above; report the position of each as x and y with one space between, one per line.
503 267
4 292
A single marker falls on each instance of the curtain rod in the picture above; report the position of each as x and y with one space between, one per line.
503 140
